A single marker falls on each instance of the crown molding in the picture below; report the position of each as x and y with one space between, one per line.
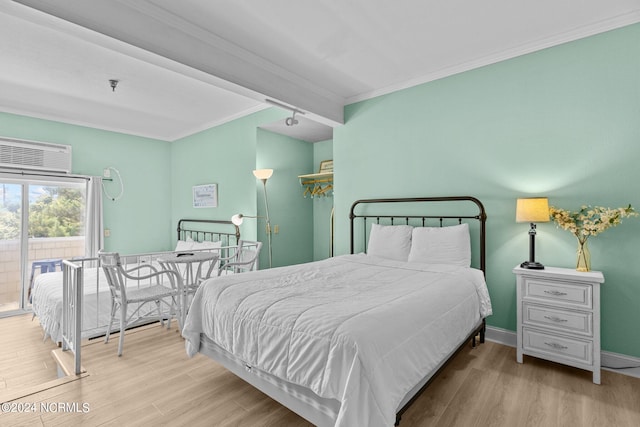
599 27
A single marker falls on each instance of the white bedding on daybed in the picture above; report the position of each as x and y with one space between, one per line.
356 328
96 305
47 301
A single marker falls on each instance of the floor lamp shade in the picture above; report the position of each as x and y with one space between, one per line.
263 174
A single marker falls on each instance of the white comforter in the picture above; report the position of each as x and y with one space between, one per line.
355 328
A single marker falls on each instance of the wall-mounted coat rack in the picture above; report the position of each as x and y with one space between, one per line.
317 184
320 185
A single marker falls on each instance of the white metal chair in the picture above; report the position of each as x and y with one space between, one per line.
245 258
121 297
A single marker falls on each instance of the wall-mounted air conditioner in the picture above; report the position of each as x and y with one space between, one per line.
31 155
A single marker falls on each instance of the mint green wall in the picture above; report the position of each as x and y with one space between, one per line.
288 157
322 150
563 122
225 155
140 220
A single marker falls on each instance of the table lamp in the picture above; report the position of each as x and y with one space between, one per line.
532 210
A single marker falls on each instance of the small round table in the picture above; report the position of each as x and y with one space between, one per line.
190 280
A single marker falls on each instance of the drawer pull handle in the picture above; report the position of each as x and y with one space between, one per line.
555 293
555 319
556 346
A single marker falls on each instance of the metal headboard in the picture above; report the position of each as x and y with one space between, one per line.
481 217
200 235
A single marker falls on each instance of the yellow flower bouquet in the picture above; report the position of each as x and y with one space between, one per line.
588 221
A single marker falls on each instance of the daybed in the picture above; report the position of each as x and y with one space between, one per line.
47 293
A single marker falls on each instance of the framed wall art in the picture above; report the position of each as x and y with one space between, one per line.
205 196
326 166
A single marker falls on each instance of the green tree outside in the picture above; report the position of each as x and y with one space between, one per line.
58 212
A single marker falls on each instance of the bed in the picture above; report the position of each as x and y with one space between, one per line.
353 340
47 293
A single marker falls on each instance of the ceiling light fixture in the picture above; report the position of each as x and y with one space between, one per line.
289 121
113 83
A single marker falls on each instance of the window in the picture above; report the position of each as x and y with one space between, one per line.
41 223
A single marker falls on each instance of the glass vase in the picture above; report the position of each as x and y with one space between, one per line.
584 256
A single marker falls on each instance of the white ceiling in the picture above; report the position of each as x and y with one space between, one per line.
186 66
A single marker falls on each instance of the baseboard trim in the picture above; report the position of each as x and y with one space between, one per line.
616 362
501 336
610 361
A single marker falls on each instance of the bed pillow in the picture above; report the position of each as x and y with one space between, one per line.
441 245
206 245
184 245
390 241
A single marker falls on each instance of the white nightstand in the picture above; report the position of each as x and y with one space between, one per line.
559 316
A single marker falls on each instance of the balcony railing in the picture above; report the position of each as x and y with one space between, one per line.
50 248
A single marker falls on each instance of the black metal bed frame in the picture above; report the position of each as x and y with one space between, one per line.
201 235
481 216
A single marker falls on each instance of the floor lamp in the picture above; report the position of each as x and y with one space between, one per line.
263 175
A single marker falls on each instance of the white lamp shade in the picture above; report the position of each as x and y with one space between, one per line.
237 219
534 209
263 173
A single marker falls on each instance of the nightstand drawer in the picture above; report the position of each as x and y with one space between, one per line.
573 294
556 348
562 320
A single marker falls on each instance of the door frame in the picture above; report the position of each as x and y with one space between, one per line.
26 180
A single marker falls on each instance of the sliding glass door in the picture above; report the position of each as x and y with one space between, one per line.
41 223
10 248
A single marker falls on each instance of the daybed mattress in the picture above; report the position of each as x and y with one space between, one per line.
358 329
96 303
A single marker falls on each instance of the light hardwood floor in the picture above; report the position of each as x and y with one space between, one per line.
155 383
25 357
